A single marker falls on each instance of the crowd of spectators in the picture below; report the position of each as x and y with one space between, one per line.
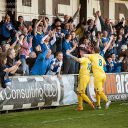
40 47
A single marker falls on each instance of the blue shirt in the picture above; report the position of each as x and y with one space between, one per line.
40 65
66 46
37 39
5 31
65 31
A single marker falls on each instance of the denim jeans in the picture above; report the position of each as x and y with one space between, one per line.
24 66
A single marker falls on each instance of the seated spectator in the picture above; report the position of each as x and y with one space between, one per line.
5 70
11 60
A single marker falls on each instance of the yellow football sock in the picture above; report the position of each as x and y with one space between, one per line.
80 101
98 99
103 96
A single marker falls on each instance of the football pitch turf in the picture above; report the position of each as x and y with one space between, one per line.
67 117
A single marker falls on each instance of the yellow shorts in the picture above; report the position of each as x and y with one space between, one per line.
83 83
99 81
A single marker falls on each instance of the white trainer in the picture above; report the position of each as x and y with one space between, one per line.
98 107
107 104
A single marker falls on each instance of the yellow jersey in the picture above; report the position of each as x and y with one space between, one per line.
85 66
98 63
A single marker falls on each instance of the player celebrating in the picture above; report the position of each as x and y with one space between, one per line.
98 63
84 78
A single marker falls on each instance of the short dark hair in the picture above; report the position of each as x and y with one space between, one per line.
67 36
96 49
20 17
58 53
84 50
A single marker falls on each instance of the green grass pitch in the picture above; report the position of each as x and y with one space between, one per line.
67 117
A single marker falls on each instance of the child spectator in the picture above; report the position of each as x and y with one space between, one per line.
56 65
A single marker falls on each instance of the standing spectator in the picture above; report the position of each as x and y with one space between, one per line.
24 53
42 63
20 24
6 28
59 38
39 31
110 65
69 65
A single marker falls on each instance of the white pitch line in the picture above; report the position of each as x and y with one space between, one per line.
70 118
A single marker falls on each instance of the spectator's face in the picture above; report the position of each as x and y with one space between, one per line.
91 23
121 31
86 42
107 21
21 19
109 60
58 29
105 34
25 31
73 35
99 35
39 29
114 39
60 57
47 20
113 56
69 38
66 18
7 19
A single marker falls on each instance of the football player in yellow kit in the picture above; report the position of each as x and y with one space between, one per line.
84 78
98 64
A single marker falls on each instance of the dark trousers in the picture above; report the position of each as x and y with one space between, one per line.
69 66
